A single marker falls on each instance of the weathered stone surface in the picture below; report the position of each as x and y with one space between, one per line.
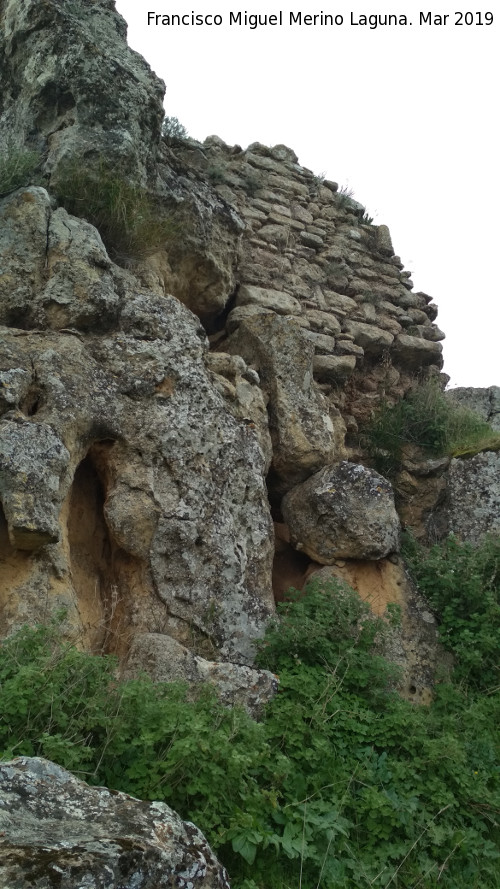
484 402
344 511
309 239
323 344
384 241
473 496
301 430
57 831
275 234
33 461
279 302
374 340
122 405
323 322
165 660
414 352
333 368
240 387
69 80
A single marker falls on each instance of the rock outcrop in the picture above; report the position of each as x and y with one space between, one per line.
165 660
120 464
57 831
471 509
157 415
70 86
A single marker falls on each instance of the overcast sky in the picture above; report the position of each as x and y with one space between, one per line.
405 115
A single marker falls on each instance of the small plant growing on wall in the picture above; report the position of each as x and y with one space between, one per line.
173 130
427 420
215 175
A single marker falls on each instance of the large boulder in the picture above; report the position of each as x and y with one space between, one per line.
57 831
345 511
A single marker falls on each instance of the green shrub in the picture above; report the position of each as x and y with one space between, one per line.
17 167
333 628
344 197
173 130
126 216
428 420
342 785
462 582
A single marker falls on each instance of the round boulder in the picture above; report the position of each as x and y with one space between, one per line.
344 511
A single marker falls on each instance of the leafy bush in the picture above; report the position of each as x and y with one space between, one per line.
126 216
428 420
173 130
17 167
329 627
462 582
342 786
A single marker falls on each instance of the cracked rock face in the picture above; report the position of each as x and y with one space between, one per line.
120 463
343 512
56 831
301 430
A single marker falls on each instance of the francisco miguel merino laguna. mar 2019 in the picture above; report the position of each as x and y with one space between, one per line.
321 19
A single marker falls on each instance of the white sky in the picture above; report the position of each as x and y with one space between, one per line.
405 116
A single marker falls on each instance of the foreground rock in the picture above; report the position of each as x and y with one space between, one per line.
56 831
345 511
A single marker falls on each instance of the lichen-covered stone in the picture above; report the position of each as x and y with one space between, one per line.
483 401
69 80
473 497
300 427
344 511
56 831
413 352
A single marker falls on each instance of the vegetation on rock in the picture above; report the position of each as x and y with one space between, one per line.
173 130
127 217
343 785
428 420
17 167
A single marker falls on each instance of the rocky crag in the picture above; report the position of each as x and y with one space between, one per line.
179 426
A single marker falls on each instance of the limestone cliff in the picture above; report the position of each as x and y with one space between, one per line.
161 408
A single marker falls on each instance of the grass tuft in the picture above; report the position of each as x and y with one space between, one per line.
127 217
17 167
